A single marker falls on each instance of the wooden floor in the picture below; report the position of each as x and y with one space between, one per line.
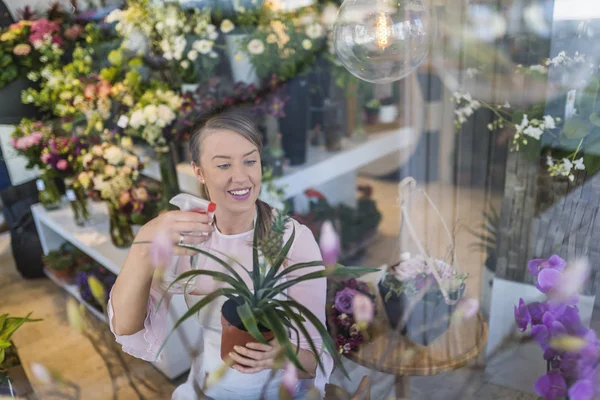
56 345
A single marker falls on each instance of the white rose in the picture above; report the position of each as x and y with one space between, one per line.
211 28
150 113
87 159
314 31
329 15
203 46
306 44
131 161
165 115
98 183
256 46
213 35
227 26
97 150
185 64
192 55
137 119
113 155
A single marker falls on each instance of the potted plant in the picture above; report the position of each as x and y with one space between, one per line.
372 111
61 263
13 380
259 314
411 287
388 112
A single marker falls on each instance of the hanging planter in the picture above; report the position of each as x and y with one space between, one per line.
234 333
78 201
428 318
168 174
121 232
48 192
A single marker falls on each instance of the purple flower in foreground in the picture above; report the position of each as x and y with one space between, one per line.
548 279
551 386
289 379
362 307
329 242
161 250
344 300
572 281
522 315
537 265
581 390
536 311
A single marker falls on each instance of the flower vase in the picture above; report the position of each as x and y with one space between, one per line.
168 174
78 201
121 232
48 192
241 67
429 317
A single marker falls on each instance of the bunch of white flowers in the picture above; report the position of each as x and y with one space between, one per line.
564 167
467 106
532 129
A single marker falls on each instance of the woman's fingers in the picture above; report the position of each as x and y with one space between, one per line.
192 228
252 354
243 360
189 216
259 346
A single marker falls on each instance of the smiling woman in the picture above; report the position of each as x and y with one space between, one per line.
226 152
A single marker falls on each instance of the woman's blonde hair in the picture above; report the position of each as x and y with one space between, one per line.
243 124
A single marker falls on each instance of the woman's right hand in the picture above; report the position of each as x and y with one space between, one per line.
195 228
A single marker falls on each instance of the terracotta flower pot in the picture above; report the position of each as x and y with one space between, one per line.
65 275
234 333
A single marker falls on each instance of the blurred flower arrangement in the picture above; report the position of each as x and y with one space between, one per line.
32 43
570 141
61 155
352 311
29 139
152 117
413 274
571 350
180 39
109 170
286 44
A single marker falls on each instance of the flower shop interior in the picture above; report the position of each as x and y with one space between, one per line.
440 158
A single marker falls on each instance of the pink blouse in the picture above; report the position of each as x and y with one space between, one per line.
312 294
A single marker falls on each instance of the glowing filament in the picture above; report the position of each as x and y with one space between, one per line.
382 30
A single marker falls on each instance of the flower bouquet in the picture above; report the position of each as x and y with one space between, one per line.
571 350
28 139
30 44
351 331
111 171
106 278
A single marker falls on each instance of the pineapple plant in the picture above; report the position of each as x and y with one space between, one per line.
271 244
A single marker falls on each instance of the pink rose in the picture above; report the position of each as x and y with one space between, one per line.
62 165
28 141
37 137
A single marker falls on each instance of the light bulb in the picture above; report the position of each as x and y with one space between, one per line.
381 41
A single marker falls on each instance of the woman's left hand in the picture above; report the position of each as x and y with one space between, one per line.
254 357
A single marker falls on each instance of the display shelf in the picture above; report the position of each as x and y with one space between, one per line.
57 226
321 165
73 290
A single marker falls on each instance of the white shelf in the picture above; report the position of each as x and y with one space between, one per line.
73 290
94 240
321 165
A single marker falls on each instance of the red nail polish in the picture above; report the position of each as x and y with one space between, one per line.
212 207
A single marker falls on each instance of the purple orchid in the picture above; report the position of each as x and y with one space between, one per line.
548 279
537 265
537 310
551 386
522 315
582 390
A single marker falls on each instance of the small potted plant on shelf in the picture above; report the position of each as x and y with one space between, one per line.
411 287
61 264
13 380
388 112
372 111
262 313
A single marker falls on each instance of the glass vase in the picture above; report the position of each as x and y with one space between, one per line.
168 175
78 200
121 232
48 192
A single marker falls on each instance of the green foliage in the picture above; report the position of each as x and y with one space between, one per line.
487 234
261 306
8 326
